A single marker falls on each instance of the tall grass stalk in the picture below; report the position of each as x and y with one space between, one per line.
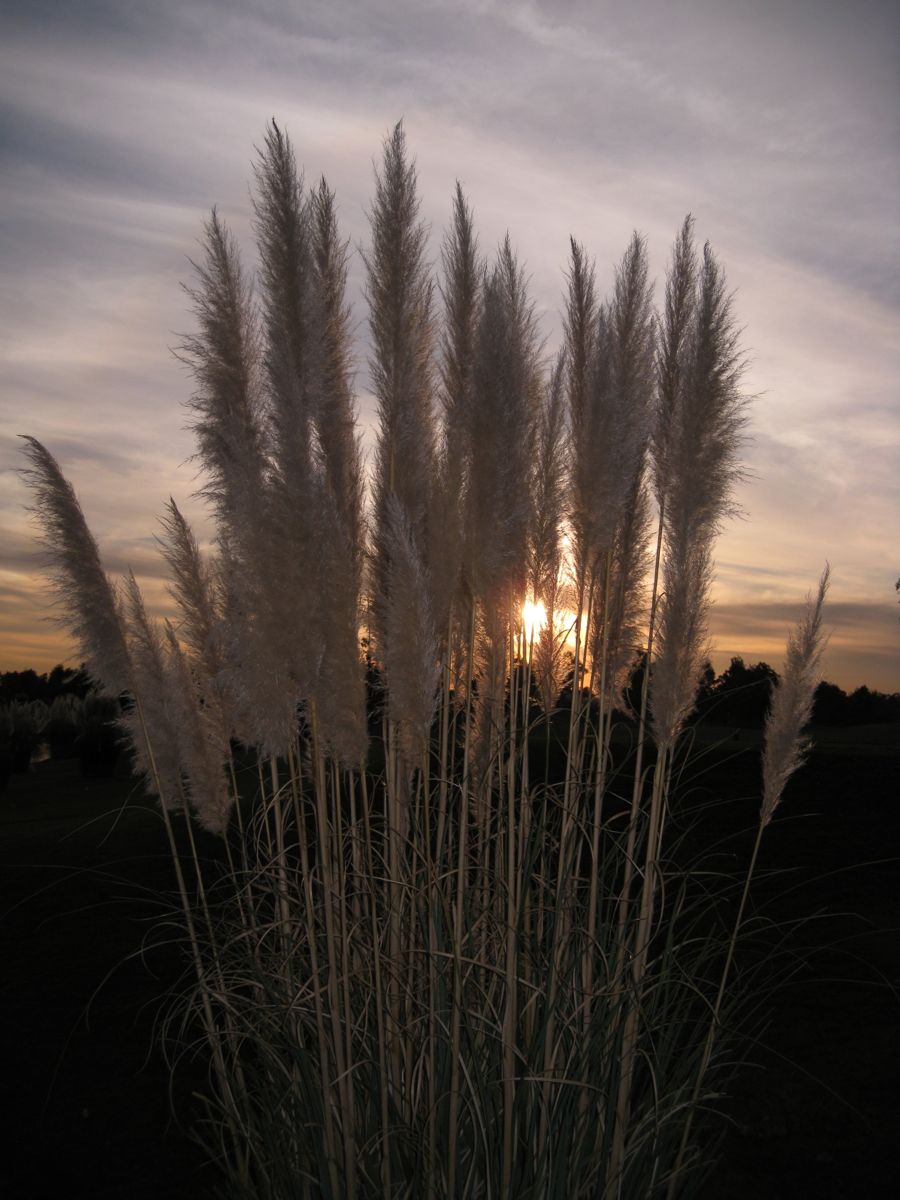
445 952
790 709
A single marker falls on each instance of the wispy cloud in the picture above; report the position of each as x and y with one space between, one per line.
863 642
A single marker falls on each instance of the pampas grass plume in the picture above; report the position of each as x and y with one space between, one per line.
399 290
697 470
409 649
203 748
192 587
502 431
335 414
225 359
792 702
283 235
545 550
463 272
153 724
86 596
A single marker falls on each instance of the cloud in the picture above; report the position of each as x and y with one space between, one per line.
863 639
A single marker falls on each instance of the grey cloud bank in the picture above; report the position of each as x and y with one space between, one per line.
774 124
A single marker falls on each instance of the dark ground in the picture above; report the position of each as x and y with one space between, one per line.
85 1094
818 1116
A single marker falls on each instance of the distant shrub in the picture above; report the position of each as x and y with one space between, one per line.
22 727
98 740
63 727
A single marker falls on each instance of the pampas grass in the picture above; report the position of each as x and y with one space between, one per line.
89 604
448 955
792 702
400 296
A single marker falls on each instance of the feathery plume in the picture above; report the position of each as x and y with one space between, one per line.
410 644
203 747
611 409
288 593
84 593
283 235
257 675
622 394
506 389
547 653
708 417
491 664
337 499
700 459
284 596
225 358
545 548
154 728
191 585
340 690
461 293
263 503
196 589
335 415
499 505
617 631
632 349
675 332
580 329
548 487
683 640
400 303
792 702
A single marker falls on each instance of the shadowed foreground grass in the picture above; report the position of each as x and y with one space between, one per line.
87 1098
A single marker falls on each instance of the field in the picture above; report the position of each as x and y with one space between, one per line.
87 1094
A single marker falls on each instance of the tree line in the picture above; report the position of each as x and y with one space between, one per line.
739 695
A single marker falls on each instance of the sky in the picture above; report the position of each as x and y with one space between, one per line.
774 123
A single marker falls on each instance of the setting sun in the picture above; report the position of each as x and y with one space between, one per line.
534 618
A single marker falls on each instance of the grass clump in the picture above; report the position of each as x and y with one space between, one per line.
448 950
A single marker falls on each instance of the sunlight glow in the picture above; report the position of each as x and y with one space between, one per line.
566 622
534 618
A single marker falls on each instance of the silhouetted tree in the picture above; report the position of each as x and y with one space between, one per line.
29 685
829 705
740 695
